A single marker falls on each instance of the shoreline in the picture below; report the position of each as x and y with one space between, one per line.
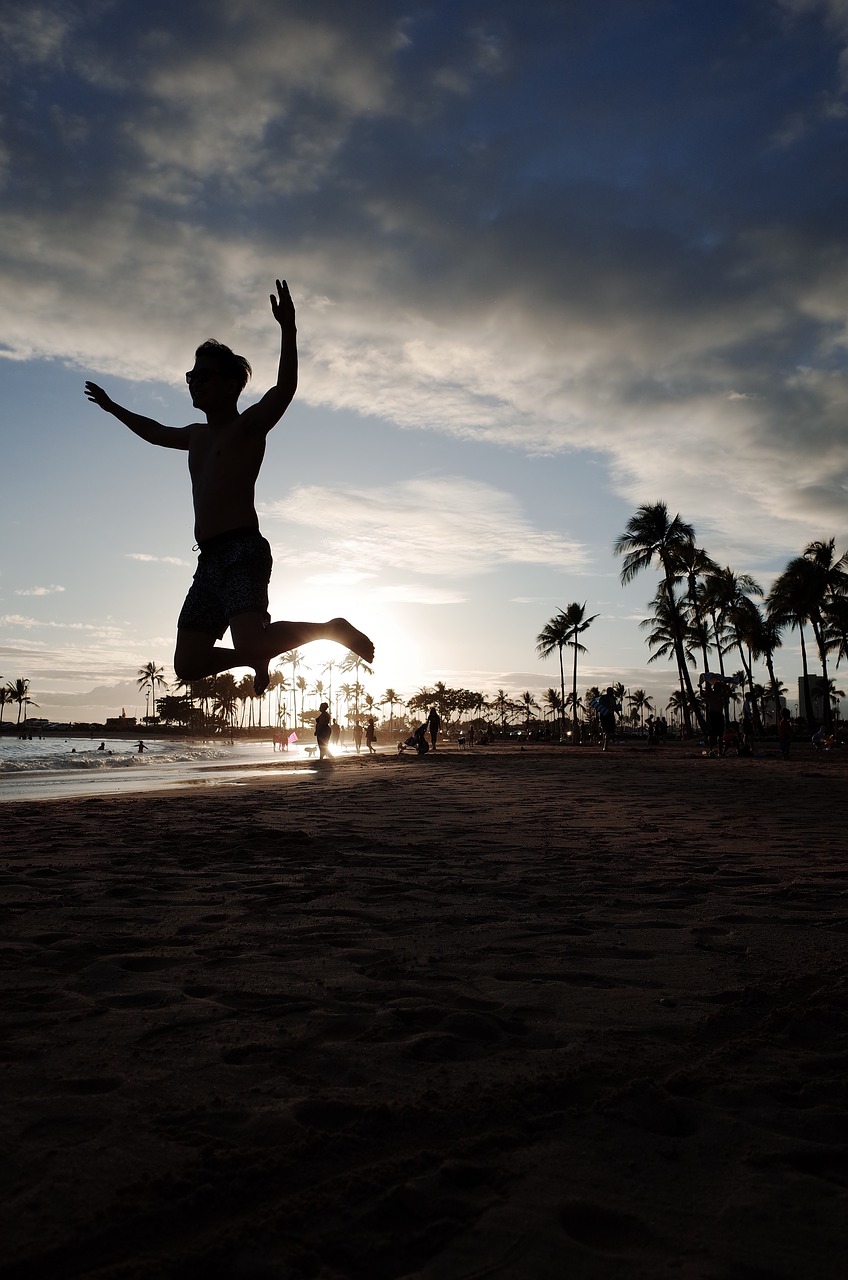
20 786
497 1013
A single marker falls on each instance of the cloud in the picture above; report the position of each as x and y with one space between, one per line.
412 593
102 631
445 527
35 34
39 591
145 557
600 258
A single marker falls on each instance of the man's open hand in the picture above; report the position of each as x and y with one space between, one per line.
282 306
97 395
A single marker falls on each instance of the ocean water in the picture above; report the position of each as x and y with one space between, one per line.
54 768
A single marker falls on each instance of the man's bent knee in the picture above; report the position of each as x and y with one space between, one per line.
249 639
192 656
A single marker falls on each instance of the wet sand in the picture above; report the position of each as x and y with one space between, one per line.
511 1014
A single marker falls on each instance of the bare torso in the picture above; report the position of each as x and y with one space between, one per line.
224 461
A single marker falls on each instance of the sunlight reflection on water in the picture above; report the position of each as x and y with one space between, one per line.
54 768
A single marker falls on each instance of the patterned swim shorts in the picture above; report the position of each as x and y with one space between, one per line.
233 571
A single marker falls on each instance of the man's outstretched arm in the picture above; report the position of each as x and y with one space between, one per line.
267 412
153 432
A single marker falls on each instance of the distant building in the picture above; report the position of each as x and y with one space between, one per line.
816 693
123 721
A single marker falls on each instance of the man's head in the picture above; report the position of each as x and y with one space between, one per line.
215 363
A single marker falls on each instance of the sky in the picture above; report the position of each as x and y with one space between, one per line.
550 262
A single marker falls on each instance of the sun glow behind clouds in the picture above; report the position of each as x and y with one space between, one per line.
436 526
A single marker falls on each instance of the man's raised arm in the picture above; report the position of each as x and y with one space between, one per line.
266 413
153 432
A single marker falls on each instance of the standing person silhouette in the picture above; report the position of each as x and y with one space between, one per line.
323 731
434 724
607 708
230 586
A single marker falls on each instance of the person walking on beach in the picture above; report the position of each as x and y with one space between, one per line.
607 707
370 735
335 734
225 453
434 724
323 731
715 700
784 734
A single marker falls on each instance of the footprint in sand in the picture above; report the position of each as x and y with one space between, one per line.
607 1230
86 1087
328 1115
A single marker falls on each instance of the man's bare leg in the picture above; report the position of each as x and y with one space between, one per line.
256 644
282 637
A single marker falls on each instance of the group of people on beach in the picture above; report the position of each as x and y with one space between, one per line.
328 734
423 739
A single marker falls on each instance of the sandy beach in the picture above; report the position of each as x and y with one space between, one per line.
513 1014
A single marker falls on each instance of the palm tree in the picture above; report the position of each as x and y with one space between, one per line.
504 707
528 702
762 636
346 692
554 635
552 702
245 693
294 658
650 535
352 662
675 704
731 594
149 676
830 576
792 601
696 566
639 704
5 699
833 693
329 667
479 704
576 704
226 699
277 685
389 699
19 692
302 685
662 638
563 630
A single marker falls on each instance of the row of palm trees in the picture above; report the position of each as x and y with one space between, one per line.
703 613
218 698
16 691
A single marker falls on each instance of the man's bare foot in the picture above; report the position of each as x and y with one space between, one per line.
340 630
261 680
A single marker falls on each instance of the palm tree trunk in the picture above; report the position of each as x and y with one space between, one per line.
686 681
826 712
574 728
775 693
562 689
812 723
699 621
